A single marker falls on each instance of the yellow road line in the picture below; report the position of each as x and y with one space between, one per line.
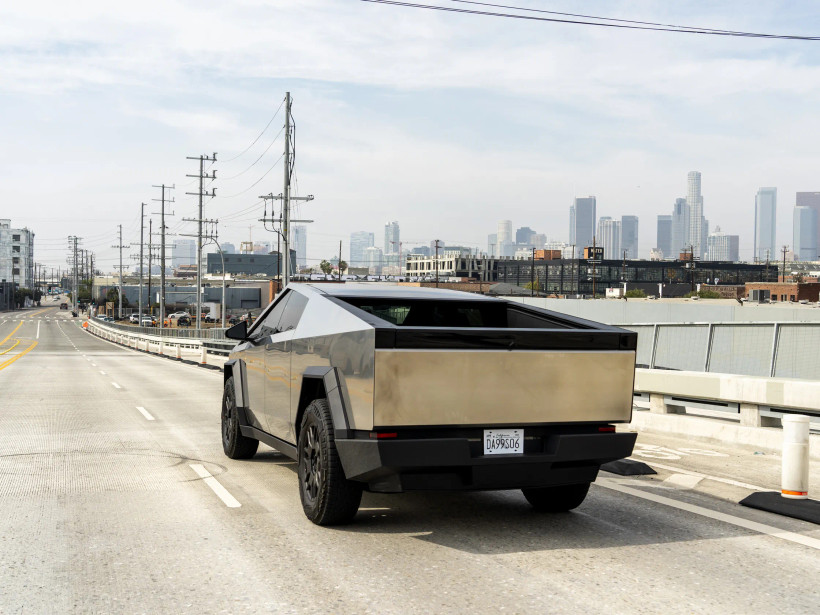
33 314
16 344
20 324
17 356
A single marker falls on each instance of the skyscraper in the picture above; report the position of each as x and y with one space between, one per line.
722 247
765 224
183 252
811 199
391 238
523 236
680 228
505 238
664 240
609 237
492 244
694 199
300 239
629 236
582 222
805 234
359 242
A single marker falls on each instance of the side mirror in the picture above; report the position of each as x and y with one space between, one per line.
238 332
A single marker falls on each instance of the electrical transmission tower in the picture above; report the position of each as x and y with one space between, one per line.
162 232
202 193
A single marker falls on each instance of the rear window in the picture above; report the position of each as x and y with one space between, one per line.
410 313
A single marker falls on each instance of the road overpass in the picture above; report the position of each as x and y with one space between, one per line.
115 496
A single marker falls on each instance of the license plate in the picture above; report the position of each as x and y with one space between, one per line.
503 441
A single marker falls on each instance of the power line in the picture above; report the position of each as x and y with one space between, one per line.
275 164
242 153
257 160
622 24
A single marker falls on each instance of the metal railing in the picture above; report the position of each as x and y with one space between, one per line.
215 333
765 349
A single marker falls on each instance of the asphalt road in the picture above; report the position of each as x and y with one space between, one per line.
104 509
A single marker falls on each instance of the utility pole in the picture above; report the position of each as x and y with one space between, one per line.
142 238
162 231
72 245
285 197
532 273
785 249
594 258
340 260
150 252
210 236
436 263
202 176
120 247
767 264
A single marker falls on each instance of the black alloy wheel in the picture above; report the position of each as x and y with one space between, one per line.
235 445
328 498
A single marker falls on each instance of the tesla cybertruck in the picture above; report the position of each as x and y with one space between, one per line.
390 389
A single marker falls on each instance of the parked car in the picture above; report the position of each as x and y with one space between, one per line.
208 318
148 321
63 306
179 315
398 389
134 318
183 321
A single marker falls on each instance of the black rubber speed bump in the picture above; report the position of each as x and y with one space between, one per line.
772 501
627 467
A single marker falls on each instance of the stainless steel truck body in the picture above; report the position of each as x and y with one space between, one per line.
392 388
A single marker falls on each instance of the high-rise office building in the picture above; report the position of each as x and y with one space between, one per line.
16 255
300 241
722 247
765 224
805 234
492 244
183 252
582 222
812 200
609 237
523 236
392 237
629 236
505 238
664 240
680 228
228 247
694 199
374 260
359 242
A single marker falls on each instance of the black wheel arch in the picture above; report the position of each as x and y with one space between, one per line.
325 383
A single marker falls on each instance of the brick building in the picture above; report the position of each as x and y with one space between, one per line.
787 291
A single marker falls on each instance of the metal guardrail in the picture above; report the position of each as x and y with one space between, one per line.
764 349
215 333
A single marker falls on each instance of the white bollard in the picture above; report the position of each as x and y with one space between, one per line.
162 347
203 355
179 351
795 479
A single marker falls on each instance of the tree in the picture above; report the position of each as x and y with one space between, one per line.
342 267
326 267
635 293
113 296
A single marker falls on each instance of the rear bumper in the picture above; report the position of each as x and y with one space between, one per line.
458 463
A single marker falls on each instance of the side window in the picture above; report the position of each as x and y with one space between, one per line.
293 312
268 325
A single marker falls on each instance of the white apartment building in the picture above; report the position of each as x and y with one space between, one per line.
16 255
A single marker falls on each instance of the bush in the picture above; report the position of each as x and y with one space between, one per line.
704 294
635 293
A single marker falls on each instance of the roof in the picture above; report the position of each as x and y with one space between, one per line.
396 292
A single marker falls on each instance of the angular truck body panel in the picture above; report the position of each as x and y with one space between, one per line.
489 387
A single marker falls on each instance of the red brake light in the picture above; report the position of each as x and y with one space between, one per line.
379 436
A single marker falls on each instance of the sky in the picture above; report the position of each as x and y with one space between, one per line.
444 122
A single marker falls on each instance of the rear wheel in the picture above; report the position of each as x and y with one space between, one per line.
328 498
556 499
235 445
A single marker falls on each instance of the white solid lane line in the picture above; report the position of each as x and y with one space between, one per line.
145 413
218 489
116 386
728 481
102 372
807 541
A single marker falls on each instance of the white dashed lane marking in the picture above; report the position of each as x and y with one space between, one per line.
145 413
218 489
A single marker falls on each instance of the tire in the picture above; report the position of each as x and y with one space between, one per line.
328 498
556 499
235 445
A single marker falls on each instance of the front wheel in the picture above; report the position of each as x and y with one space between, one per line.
556 499
328 498
235 445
